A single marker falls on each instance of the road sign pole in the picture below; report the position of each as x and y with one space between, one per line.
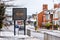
14 28
24 28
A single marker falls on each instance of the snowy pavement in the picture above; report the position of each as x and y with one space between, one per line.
9 32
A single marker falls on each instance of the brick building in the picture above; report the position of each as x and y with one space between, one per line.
41 16
48 15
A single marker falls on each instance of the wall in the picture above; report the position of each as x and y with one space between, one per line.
40 15
40 18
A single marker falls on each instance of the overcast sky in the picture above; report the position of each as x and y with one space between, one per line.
32 6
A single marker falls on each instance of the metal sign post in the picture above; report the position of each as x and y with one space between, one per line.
14 28
24 27
20 14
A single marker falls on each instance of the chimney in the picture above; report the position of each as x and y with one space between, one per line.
59 5
55 6
45 7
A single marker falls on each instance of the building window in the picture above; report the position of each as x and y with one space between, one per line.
55 16
48 17
55 22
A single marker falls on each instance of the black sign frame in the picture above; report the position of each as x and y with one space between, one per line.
19 13
23 13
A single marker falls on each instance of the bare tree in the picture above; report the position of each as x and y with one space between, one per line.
2 11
